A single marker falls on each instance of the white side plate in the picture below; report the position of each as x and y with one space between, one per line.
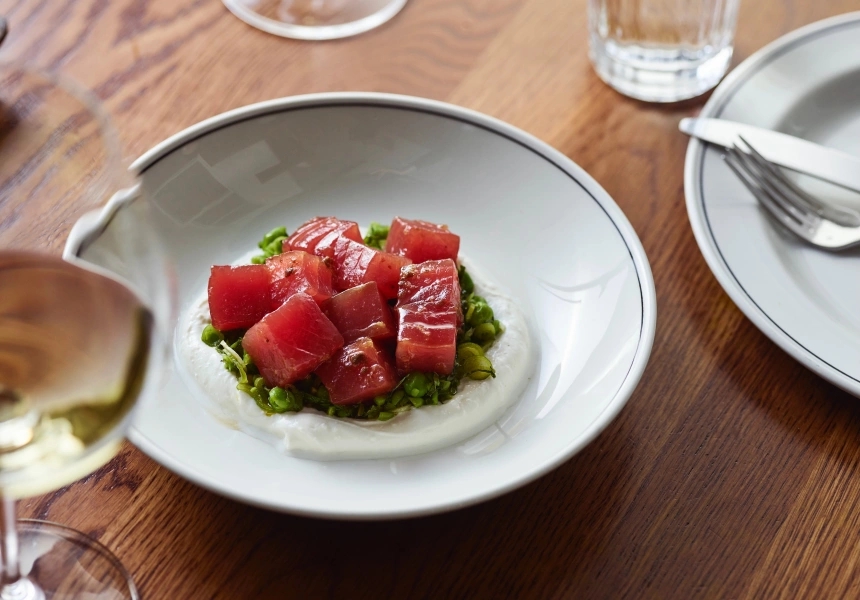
805 84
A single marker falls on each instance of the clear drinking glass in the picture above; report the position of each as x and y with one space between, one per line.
661 50
315 19
81 325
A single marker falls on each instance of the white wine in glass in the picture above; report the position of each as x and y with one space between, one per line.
79 338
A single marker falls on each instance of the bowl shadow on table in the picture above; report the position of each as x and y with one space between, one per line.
529 543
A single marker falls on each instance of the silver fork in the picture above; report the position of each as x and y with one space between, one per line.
820 224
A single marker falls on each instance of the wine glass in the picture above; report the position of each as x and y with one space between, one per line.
83 312
315 19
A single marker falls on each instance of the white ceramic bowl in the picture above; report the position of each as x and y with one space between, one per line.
533 220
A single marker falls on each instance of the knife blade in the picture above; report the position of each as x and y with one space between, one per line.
788 151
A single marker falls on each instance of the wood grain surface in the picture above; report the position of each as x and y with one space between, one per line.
732 471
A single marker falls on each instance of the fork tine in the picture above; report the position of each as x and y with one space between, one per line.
759 173
767 168
752 177
774 208
796 194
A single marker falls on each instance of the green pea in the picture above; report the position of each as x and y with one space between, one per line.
379 400
478 367
485 332
468 349
272 235
211 336
416 384
482 314
283 400
277 396
384 416
499 327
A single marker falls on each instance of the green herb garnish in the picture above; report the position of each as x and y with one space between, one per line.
376 235
271 245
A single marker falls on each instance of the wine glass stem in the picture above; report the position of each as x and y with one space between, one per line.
9 530
12 586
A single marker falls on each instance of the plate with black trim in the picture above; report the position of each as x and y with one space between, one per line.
538 225
806 84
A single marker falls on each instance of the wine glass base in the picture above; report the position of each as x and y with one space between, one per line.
315 19
59 563
23 589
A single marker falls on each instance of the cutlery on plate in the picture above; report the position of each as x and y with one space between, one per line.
799 155
807 217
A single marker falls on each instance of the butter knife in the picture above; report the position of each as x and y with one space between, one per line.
788 151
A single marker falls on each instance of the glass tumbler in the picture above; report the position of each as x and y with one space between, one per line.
661 50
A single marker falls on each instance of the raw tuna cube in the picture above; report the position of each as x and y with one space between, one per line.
361 312
295 271
427 341
292 341
238 296
355 263
435 285
358 372
421 241
428 310
319 235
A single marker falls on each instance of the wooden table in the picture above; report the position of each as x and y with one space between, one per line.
729 474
